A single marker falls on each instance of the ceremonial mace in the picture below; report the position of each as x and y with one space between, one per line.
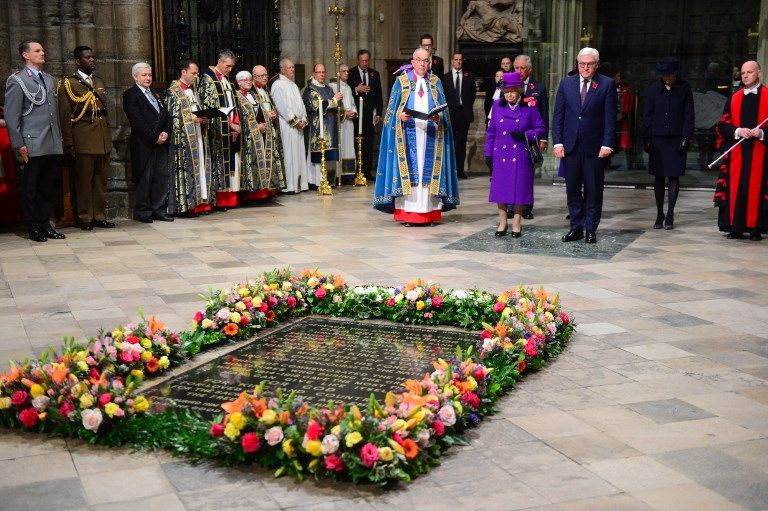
734 146
336 11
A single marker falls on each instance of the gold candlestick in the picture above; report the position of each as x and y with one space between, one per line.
324 188
360 179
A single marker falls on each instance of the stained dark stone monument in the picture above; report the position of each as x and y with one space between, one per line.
321 359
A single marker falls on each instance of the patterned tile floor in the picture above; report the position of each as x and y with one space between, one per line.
660 402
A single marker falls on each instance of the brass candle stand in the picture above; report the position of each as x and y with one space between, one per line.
360 179
324 188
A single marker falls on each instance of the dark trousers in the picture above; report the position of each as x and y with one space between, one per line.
584 176
91 178
460 131
37 189
152 186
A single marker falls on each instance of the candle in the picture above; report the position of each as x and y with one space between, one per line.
360 117
322 121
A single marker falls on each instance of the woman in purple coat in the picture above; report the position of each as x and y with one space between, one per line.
506 152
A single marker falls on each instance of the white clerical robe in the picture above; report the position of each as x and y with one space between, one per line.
290 108
348 126
420 200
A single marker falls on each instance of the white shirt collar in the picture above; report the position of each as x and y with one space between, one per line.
84 76
752 90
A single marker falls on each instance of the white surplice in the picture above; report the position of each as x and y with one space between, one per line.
290 108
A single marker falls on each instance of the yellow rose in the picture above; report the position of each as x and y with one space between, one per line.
36 390
82 366
287 285
288 448
386 454
240 306
257 302
312 282
117 334
299 296
237 420
5 403
206 323
315 448
141 404
146 356
145 343
86 401
235 317
163 362
269 417
111 408
137 373
353 438
166 349
81 355
336 430
420 305
244 291
231 432
329 287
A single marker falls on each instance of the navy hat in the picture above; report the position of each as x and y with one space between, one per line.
668 66
512 80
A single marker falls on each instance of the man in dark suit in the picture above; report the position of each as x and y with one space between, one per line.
460 92
366 84
535 95
150 127
436 65
87 138
583 131
32 118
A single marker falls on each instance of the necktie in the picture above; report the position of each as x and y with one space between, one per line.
583 94
42 80
751 91
152 100
365 77
458 88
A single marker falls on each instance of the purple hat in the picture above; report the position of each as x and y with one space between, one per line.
512 80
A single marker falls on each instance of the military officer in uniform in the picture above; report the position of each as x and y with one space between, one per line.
32 119
86 136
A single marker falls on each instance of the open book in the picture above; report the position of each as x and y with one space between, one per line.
212 113
425 115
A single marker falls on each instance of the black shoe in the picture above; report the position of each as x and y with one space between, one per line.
528 215
499 234
517 234
573 235
86 226
659 221
755 236
568 217
145 219
735 236
591 237
669 223
37 236
104 224
162 218
53 234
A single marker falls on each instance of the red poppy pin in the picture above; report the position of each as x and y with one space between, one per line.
594 85
466 75
371 73
530 101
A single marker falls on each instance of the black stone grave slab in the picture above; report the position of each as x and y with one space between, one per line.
320 358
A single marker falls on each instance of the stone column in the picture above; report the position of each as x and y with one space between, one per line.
762 38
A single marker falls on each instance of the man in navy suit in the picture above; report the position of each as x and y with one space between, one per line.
583 130
365 83
150 126
460 93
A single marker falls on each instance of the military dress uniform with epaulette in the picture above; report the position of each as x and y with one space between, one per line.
86 135
32 118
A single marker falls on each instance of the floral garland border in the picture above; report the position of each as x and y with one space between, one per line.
89 390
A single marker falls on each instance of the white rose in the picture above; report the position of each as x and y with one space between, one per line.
448 415
41 403
488 344
359 290
274 435
330 444
92 419
412 295
460 294
424 437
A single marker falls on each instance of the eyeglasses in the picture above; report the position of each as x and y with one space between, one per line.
425 61
587 64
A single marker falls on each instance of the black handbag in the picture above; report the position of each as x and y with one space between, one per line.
537 159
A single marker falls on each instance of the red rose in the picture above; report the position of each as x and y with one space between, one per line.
132 339
499 306
28 417
471 399
19 398
314 430
244 320
438 427
263 307
437 301
479 373
320 293
291 302
66 408
94 373
217 429
333 463
250 442
105 398
199 316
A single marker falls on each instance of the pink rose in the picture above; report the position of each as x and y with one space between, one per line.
105 398
530 348
447 415
274 435
263 307
333 462
565 318
437 301
291 302
439 427
471 399
19 398
272 301
390 302
485 334
369 454
217 429
92 419
498 306
66 408
126 357
250 442
479 373
29 417
320 293
199 316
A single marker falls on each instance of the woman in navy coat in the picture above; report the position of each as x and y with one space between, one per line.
667 131
507 155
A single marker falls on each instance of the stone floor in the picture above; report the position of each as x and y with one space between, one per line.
660 402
